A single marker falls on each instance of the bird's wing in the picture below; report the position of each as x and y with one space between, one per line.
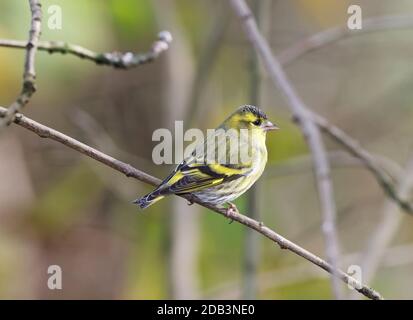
229 148
194 177
194 174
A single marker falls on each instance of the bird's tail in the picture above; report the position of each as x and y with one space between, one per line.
149 199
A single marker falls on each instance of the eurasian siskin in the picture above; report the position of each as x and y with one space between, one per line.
219 171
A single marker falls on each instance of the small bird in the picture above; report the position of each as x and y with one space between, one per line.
221 180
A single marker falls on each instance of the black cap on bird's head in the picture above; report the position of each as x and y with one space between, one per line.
249 116
247 108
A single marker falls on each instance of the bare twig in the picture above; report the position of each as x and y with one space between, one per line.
338 159
366 158
324 38
130 60
286 276
96 133
46 132
309 129
117 60
328 36
29 74
387 227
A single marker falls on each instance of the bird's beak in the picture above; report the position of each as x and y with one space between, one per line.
268 126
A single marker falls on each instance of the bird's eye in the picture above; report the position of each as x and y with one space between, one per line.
257 122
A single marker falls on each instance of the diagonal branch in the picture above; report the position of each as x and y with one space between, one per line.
128 170
130 60
29 74
119 60
368 160
387 226
324 38
328 36
338 159
309 129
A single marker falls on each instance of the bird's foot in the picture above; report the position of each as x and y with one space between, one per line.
191 200
231 211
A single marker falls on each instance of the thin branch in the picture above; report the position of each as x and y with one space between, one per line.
29 74
324 38
338 159
366 158
46 132
118 60
328 36
130 60
387 226
95 133
396 256
309 129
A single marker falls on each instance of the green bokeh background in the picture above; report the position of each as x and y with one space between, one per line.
77 213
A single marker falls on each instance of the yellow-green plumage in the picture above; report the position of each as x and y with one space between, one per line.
216 179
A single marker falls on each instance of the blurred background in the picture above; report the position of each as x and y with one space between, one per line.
58 207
